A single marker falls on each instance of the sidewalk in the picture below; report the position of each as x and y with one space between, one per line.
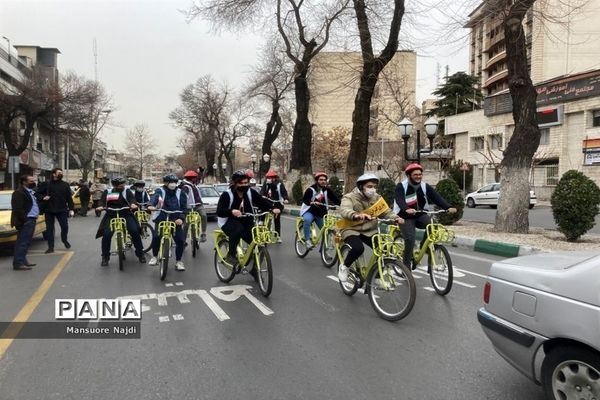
482 238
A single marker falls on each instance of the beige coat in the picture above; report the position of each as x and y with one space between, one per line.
355 203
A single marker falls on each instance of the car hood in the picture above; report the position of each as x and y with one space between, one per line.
575 275
213 201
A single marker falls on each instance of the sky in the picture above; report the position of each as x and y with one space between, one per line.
147 53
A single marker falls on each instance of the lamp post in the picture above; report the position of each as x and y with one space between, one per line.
266 157
224 165
431 126
253 159
215 166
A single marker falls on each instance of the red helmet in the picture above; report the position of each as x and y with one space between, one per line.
316 175
411 167
190 174
271 174
249 173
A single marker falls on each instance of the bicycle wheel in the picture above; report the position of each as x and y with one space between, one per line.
225 273
440 272
120 249
391 295
264 272
299 244
164 257
194 239
147 235
351 285
328 254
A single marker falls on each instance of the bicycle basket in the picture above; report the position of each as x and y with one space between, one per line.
263 235
192 217
166 227
330 220
384 246
117 224
438 233
141 216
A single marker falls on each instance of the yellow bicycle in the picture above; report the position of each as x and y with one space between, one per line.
325 236
118 225
166 230
146 230
192 220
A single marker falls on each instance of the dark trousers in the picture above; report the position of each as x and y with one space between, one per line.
96 204
24 237
356 247
62 218
277 220
408 234
134 231
179 240
235 230
84 206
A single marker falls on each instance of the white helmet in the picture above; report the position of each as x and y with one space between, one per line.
252 181
366 177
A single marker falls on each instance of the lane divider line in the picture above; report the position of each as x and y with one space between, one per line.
24 314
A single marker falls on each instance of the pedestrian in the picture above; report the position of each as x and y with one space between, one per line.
25 211
97 189
84 198
200 174
58 205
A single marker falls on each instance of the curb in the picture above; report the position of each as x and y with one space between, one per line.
464 242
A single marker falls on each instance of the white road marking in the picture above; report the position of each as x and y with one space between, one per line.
178 283
454 280
168 284
177 317
214 307
429 288
471 273
234 292
164 318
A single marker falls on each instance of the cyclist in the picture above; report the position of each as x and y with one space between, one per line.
360 209
169 198
275 190
188 185
252 184
234 202
314 203
139 192
412 194
118 197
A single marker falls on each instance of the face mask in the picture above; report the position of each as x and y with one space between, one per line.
139 189
172 186
242 189
269 180
370 192
31 185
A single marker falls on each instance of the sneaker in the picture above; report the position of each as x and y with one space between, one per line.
203 237
231 260
104 262
142 259
179 266
153 261
49 250
279 240
343 273
309 244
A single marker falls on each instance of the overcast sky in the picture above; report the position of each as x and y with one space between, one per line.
147 54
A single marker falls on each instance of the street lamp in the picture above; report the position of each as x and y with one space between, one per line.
253 159
215 166
431 127
224 165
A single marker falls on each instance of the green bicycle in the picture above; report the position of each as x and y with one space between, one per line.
389 284
326 236
166 230
118 225
192 220
255 251
146 230
439 263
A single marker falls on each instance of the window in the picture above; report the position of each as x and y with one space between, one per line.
551 175
496 142
596 118
545 136
476 143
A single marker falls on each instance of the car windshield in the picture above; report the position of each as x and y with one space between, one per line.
5 201
208 192
222 187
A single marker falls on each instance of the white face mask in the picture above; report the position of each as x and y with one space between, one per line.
139 189
172 186
370 192
269 180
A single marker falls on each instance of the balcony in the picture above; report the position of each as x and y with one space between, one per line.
494 41
495 78
498 57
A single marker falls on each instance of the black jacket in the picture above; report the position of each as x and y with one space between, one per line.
124 199
319 211
432 197
60 200
270 190
21 204
224 209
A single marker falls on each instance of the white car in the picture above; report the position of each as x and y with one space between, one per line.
488 196
210 199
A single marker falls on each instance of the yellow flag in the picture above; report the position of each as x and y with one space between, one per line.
374 211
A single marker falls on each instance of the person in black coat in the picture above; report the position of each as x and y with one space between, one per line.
275 190
55 198
84 198
25 211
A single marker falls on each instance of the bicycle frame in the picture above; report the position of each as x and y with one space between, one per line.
329 221
118 224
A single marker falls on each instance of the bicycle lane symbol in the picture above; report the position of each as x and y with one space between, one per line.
223 293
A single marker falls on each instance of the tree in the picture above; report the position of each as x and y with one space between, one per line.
456 174
449 190
83 117
331 149
459 94
372 67
271 80
140 144
301 44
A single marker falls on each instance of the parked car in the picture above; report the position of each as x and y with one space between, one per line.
220 187
8 234
542 314
488 195
210 198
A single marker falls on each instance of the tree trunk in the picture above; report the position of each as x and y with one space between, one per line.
302 137
209 151
85 172
271 133
513 204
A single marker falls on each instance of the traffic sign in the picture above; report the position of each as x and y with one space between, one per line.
464 167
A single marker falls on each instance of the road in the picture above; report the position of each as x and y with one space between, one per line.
306 341
539 216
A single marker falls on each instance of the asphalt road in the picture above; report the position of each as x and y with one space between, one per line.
306 341
539 216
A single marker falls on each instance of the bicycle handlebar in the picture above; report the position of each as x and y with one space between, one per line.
431 212
387 220
196 204
117 209
254 215
169 212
